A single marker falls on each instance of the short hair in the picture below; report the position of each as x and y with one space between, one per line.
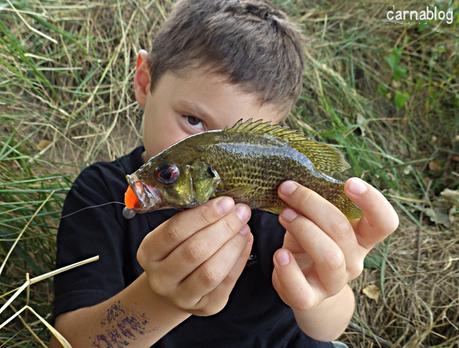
250 42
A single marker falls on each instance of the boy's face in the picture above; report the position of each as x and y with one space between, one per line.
184 104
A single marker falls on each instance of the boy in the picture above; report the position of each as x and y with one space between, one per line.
218 275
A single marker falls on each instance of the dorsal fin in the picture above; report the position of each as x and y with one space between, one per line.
324 157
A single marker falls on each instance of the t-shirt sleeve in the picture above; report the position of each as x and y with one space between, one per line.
90 232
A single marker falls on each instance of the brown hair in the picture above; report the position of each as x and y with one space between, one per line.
248 41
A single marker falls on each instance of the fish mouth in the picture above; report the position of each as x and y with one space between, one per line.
148 197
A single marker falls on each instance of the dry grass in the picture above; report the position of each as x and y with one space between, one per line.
419 306
386 93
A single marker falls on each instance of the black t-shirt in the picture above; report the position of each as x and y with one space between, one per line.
254 316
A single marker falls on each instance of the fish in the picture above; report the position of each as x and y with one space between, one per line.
247 162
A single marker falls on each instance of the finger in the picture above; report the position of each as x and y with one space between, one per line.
201 246
212 272
323 213
222 292
328 258
290 282
379 217
167 236
303 259
238 268
291 243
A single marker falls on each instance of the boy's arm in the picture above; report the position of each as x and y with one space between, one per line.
191 261
329 319
135 316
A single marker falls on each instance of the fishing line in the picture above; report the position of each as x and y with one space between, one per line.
91 207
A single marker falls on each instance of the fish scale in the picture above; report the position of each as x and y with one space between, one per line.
247 162
260 182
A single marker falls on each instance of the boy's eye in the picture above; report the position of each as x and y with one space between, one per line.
194 122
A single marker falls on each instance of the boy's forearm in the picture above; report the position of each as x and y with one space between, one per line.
135 317
329 319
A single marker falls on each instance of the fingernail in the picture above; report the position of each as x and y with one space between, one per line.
139 61
245 230
224 205
282 257
243 212
357 186
289 215
287 187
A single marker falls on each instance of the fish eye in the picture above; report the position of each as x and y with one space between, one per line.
167 174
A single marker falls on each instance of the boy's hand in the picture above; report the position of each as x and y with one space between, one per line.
322 250
194 259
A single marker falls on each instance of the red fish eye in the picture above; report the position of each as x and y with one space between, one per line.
167 174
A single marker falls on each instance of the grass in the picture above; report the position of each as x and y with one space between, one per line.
385 93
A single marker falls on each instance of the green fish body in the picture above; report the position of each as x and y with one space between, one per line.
247 162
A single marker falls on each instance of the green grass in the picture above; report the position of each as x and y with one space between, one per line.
386 94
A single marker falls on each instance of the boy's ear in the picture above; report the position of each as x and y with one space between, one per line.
142 77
